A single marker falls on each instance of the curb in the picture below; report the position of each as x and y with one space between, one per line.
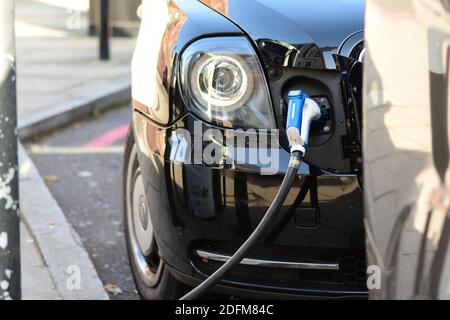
64 114
59 244
63 252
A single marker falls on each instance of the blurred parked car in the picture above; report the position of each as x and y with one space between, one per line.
407 148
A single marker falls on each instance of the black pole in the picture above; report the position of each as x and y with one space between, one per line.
104 30
10 277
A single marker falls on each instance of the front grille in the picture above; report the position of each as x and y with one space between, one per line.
351 276
354 266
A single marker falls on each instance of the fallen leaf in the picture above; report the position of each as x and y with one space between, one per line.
113 289
51 179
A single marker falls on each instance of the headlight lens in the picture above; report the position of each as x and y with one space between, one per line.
224 83
221 82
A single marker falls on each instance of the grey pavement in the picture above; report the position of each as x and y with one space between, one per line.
37 282
57 63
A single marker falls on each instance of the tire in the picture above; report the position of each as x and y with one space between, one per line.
151 276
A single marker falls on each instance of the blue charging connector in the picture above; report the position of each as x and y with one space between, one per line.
301 113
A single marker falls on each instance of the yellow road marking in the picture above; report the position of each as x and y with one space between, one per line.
35 149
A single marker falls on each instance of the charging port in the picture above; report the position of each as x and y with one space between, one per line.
325 125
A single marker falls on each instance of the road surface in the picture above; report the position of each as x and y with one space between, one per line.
82 166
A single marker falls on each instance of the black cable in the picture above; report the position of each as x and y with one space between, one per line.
241 253
286 218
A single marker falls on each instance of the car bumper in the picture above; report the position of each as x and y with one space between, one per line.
201 214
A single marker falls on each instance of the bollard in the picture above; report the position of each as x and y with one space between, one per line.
104 30
10 275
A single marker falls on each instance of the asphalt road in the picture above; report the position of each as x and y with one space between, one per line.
82 166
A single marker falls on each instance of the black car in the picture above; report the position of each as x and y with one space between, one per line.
207 68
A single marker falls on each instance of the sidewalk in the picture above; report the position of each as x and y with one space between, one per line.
59 70
37 282
59 251
60 79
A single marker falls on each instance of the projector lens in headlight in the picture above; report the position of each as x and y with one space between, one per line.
221 82
224 83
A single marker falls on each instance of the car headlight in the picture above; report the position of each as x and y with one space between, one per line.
223 83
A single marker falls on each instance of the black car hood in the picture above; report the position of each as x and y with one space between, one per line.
308 31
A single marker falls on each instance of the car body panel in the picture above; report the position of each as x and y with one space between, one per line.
196 206
300 34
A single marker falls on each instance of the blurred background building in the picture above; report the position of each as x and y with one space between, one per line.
124 20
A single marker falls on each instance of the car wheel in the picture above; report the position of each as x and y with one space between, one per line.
152 278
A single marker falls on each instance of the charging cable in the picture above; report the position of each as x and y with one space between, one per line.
302 112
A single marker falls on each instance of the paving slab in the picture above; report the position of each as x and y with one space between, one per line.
37 282
59 66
